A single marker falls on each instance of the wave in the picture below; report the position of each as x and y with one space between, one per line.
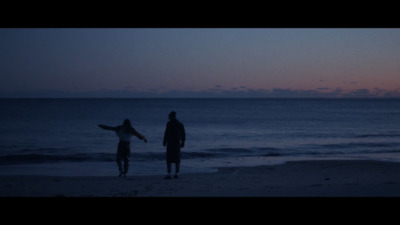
229 150
322 149
47 158
378 136
272 155
52 157
36 158
359 144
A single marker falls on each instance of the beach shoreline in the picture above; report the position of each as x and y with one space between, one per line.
315 178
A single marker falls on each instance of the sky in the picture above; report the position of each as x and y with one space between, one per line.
199 62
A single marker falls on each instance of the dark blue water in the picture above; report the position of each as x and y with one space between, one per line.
220 132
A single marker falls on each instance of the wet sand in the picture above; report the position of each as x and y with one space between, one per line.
324 178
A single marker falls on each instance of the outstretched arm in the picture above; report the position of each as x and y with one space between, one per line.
107 127
138 135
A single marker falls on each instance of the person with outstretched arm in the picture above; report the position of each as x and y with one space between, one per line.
124 132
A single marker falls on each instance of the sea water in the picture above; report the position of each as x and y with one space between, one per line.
62 137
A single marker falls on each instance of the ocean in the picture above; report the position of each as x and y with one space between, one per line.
62 137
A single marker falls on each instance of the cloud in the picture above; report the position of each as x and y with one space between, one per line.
360 92
387 94
215 92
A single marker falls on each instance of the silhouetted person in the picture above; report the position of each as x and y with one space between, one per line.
174 139
124 132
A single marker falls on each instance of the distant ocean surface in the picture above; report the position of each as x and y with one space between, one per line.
62 137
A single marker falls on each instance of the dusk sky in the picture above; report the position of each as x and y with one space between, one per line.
199 62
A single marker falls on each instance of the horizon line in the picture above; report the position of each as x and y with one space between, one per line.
338 98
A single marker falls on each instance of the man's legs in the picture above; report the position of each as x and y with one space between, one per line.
126 165
168 171
119 163
169 168
177 165
173 156
123 155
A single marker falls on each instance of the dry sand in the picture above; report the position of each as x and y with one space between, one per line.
323 178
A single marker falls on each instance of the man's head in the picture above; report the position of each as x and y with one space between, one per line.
127 123
172 115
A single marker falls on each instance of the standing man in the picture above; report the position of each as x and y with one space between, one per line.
124 132
174 140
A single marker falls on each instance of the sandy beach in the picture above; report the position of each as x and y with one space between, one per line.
322 178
